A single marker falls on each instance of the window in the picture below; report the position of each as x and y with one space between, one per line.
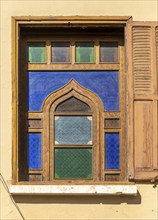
80 113
71 112
72 109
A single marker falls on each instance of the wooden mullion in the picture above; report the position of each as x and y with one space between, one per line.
112 115
129 99
97 52
122 91
72 52
35 171
73 146
73 113
112 130
73 66
112 171
34 115
48 52
34 130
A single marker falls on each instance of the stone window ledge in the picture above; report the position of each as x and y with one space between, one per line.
73 190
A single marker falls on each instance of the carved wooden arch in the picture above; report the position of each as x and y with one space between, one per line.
72 89
76 87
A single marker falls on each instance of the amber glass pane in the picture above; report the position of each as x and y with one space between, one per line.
36 53
109 52
85 52
60 52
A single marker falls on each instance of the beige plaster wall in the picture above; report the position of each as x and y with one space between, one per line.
58 207
141 207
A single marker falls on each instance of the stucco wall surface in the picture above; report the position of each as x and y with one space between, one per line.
144 205
141 207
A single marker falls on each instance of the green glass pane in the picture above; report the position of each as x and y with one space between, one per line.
60 52
109 52
73 163
85 52
36 53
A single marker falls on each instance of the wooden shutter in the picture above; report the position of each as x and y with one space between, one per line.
145 100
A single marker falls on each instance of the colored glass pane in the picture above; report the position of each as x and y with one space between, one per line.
85 52
73 163
109 52
34 151
73 130
36 53
60 52
105 84
112 151
73 104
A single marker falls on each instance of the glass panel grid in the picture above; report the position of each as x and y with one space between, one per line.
73 163
36 52
34 150
109 52
85 52
60 52
112 151
73 130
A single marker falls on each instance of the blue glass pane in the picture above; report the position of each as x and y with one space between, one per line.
112 151
34 151
103 83
73 130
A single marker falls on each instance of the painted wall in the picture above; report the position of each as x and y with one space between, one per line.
144 205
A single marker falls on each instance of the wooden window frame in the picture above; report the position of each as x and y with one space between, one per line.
17 23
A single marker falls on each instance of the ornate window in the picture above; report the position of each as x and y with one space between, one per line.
71 112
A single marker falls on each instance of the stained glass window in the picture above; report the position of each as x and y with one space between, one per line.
73 163
109 52
85 52
105 84
36 52
34 151
60 52
112 151
73 130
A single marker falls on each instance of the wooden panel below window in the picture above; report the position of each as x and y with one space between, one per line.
112 177
35 123
145 147
112 123
35 177
143 123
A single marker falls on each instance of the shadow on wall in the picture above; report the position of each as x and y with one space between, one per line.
58 199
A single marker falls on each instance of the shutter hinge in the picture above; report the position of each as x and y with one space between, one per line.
155 181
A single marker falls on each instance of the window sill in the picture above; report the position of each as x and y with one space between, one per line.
73 190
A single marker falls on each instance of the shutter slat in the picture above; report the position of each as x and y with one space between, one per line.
142 59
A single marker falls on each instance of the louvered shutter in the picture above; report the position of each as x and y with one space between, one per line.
145 113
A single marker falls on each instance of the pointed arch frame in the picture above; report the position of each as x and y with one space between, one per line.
72 89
